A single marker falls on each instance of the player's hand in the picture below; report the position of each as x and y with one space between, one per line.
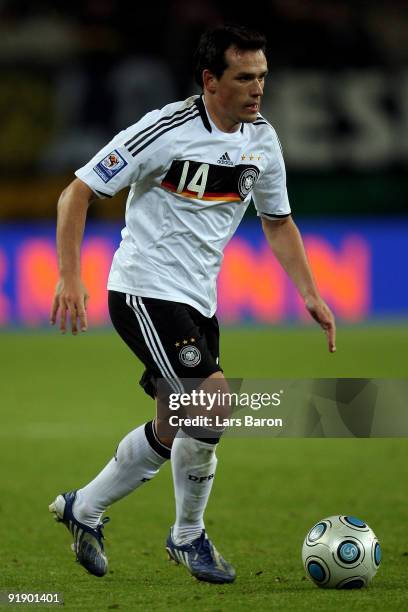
72 297
324 316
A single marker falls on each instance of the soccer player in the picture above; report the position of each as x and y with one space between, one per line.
192 168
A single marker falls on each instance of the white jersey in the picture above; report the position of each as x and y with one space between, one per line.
190 185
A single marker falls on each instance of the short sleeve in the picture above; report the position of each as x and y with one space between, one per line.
270 195
115 166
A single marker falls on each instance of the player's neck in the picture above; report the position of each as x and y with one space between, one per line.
223 123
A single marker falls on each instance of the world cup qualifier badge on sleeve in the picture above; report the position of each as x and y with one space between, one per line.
110 166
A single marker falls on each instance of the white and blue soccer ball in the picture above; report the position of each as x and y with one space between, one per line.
341 552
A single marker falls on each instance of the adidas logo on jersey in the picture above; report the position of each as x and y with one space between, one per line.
225 159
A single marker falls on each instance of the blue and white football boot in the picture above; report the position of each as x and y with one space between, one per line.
88 544
202 559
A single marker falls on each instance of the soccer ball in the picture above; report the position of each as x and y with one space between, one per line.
341 552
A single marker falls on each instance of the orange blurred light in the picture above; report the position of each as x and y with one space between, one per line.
251 282
36 279
96 261
37 275
342 275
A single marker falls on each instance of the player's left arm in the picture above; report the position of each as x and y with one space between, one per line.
286 243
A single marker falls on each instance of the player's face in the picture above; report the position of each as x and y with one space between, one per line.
236 96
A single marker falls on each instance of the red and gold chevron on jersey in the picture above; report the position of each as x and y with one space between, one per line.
223 197
211 182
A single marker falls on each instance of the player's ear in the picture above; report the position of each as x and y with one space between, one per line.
210 81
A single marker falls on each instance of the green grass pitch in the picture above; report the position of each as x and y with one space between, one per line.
65 404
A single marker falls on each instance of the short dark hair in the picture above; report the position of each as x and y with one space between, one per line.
210 53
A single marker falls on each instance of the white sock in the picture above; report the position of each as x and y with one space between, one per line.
193 465
135 462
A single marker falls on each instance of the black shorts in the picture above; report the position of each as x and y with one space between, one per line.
173 340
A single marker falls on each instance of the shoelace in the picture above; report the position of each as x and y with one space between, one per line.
101 525
204 550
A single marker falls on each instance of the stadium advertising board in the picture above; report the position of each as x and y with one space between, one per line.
359 266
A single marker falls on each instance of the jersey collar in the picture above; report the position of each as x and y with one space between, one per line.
199 102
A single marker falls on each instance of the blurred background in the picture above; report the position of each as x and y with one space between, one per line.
72 75
75 74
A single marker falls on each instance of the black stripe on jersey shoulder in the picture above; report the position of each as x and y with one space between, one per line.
262 121
159 133
275 216
147 132
165 119
262 118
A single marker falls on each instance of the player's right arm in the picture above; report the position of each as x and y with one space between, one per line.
126 159
70 293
